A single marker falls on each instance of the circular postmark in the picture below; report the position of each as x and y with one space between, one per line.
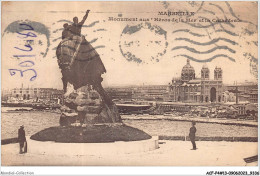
28 37
143 43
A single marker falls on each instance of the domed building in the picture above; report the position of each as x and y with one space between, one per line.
188 88
188 72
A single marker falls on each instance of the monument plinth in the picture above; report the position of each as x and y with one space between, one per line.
85 107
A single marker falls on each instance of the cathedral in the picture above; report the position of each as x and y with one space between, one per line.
188 88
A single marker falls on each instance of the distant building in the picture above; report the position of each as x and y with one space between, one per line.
246 109
5 94
121 93
145 92
228 97
34 94
50 93
253 96
25 93
188 88
149 92
247 91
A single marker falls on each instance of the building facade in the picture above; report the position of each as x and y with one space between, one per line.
188 88
35 94
139 93
149 92
25 93
120 93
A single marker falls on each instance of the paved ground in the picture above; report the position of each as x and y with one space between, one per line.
170 153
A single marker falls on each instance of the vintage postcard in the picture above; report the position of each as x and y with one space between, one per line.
129 84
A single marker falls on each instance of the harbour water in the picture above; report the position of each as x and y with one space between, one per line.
35 121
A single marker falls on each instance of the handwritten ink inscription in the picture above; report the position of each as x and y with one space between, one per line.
27 49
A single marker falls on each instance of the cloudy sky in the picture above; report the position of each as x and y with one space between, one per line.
133 52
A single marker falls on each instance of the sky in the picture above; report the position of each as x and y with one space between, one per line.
146 51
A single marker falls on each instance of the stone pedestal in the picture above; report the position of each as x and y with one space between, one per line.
85 106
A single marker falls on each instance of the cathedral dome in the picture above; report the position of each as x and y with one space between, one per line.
188 72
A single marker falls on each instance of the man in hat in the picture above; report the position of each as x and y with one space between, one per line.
192 135
21 138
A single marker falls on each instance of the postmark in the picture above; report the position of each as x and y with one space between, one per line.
143 43
43 32
29 41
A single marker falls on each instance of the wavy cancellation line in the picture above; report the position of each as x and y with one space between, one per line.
206 60
217 6
231 12
57 30
218 30
208 43
100 30
221 9
226 31
70 22
59 38
209 11
234 15
96 47
190 32
61 29
204 52
201 5
203 35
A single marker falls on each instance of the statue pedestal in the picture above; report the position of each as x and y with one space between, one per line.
85 106
91 133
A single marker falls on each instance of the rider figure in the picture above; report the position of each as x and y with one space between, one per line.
75 28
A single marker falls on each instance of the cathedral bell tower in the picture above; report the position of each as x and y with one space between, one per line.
218 73
205 72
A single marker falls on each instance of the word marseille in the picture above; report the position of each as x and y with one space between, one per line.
177 13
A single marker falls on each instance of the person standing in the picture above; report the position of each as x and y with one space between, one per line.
21 138
192 135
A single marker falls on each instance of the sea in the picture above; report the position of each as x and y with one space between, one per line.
35 121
